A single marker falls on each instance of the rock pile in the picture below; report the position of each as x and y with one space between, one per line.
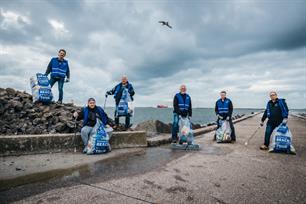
19 115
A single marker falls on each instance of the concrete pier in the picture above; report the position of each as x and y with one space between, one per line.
218 173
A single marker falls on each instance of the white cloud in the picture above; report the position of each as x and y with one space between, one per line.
13 20
59 28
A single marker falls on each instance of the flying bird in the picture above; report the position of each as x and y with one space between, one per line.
164 23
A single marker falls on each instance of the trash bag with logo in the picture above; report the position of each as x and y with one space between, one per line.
223 133
125 106
282 140
98 142
41 89
185 131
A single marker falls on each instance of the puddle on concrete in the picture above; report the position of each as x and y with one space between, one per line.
122 166
214 149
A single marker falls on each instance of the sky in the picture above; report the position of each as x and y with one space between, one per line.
247 48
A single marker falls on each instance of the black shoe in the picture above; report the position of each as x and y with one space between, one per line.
59 102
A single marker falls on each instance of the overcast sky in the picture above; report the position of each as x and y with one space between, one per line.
244 47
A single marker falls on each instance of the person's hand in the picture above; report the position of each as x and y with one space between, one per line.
227 118
107 126
220 117
261 123
67 80
75 114
108 93
285 120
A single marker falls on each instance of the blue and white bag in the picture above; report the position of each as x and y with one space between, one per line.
125 106
98 142
41 89
282 140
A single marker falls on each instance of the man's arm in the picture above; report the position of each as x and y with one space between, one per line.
111 92
131 90
80 114
68 72
49 68
190 108
286 107
216 109
264 116
175 105
230 110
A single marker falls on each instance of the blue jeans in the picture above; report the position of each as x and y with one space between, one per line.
175 126
269 130
60 86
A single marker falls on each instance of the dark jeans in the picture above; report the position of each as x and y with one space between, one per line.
60 86
175 126
269 129
233 134
127 120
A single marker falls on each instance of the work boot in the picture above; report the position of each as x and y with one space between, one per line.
263 147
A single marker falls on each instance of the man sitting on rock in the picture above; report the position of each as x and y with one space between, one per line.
277 113
89 115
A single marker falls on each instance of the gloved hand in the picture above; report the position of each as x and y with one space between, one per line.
75 114
261 123
285 120
108 93
220 117
184 113
227 118
67 80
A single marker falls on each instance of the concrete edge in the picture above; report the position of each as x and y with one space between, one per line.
298 116
166 138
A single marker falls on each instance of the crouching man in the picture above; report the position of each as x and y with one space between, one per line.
89 115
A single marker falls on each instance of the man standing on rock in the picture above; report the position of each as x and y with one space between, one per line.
59 69
182 107
277 112
224 111
89 115
117 92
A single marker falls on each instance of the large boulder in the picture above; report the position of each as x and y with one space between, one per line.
153 127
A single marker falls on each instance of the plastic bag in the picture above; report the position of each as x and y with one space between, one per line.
125 105
98 142
223 133
185 131
41 89
282 140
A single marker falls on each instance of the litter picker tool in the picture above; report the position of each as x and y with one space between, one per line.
254 133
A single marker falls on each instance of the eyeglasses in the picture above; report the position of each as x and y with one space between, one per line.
273 95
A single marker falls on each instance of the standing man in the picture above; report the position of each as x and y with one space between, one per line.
89 115
277 112
182 107
117 92
59 69
224 111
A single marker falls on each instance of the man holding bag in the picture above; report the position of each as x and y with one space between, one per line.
277 112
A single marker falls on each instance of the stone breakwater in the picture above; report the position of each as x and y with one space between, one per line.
19 115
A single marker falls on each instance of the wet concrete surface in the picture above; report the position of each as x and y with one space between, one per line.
218 173
113 168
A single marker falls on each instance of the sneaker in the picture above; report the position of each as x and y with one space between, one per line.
85 150
263 147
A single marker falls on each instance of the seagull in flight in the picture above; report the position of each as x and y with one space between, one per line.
164 23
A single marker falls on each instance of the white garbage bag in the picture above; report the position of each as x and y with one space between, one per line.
185 131
223 133
98 142
282 140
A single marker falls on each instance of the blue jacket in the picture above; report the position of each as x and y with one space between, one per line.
117 91
102 115
276 111
224 108
58 68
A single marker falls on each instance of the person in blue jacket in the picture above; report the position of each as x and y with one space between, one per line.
182 107
89 115
224 110
59 69
277 112
117 92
